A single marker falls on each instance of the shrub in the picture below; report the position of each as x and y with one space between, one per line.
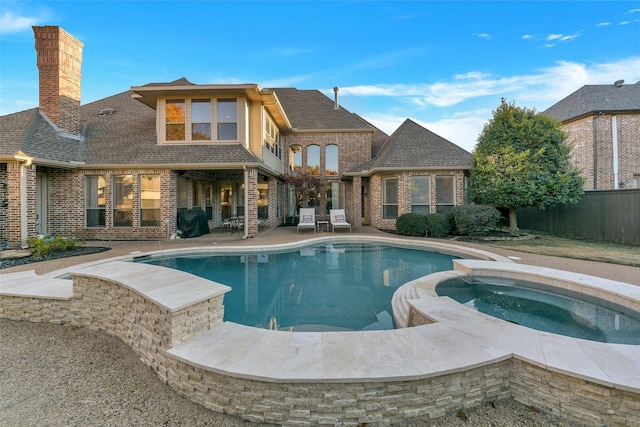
411 224
475 220
439 225
43 245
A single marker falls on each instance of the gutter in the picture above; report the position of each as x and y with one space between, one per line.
370 172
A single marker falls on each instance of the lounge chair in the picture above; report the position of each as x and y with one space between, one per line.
307 219
338 220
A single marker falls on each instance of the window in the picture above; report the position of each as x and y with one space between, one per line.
208 201
295 159
196 194
333 191
94 193
122 200
175 114
444 194
240 199
227 119
331 160
192 119
313 160
150 200
201 119
272 137
263 200
182 196
390 198
420 194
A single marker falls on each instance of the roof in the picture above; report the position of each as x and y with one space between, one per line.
128 136
31 133
592 99
412 146
311 110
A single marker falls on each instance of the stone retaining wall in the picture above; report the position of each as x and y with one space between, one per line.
150 329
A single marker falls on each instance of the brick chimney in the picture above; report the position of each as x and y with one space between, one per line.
59 59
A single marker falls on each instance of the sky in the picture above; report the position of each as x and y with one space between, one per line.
443 64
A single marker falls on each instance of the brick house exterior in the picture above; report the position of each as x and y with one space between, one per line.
125 166
603 127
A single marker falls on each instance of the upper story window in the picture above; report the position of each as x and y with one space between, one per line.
313 160
201 119
227 119
295 159
331 160
175 111
193 119
272 137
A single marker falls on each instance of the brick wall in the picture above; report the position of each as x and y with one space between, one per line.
404 193
4 205
66 205
580 136
59 60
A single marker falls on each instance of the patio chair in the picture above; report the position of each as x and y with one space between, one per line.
307 219
338 220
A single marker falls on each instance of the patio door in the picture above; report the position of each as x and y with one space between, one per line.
41 203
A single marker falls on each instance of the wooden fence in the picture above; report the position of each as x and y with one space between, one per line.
611 215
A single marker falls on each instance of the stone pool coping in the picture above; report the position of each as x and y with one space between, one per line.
189 353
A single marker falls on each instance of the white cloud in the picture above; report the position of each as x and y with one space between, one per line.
11 23
483 36
603 24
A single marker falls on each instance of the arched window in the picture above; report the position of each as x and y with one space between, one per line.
331 160
295 159
313 160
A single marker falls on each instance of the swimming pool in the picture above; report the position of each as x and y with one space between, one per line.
559 311
319 287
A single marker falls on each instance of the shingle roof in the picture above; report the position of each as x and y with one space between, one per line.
312 110
591 99
28 131
128 136
412 146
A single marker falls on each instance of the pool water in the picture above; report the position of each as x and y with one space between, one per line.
569 313
326 287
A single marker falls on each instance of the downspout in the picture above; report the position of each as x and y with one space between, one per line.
246 202
614 138
25 162
595 151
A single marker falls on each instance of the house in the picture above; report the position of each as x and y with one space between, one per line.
126 166
603 127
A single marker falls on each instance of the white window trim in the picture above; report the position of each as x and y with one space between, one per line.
161 120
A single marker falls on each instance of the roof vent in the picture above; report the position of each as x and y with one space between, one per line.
336 106
618 83
107 111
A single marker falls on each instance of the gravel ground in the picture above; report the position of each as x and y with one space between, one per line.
54 375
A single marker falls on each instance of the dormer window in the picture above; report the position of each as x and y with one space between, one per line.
192 119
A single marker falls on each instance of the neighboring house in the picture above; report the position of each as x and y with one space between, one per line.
603 125
124 167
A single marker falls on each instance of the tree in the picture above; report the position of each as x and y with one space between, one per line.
307 188
522 160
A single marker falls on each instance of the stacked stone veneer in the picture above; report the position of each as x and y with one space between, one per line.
151 329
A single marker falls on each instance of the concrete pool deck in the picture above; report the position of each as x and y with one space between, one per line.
461 350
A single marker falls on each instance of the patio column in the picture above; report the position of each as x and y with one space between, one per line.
251 201
356 214
21 202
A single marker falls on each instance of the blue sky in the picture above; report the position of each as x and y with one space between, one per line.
443 64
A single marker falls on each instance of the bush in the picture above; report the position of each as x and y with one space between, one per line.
43 245
439 225
411 224
475 220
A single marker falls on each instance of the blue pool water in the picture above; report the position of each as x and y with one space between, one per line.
324 287
568 313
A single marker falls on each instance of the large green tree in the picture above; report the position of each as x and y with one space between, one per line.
522 160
